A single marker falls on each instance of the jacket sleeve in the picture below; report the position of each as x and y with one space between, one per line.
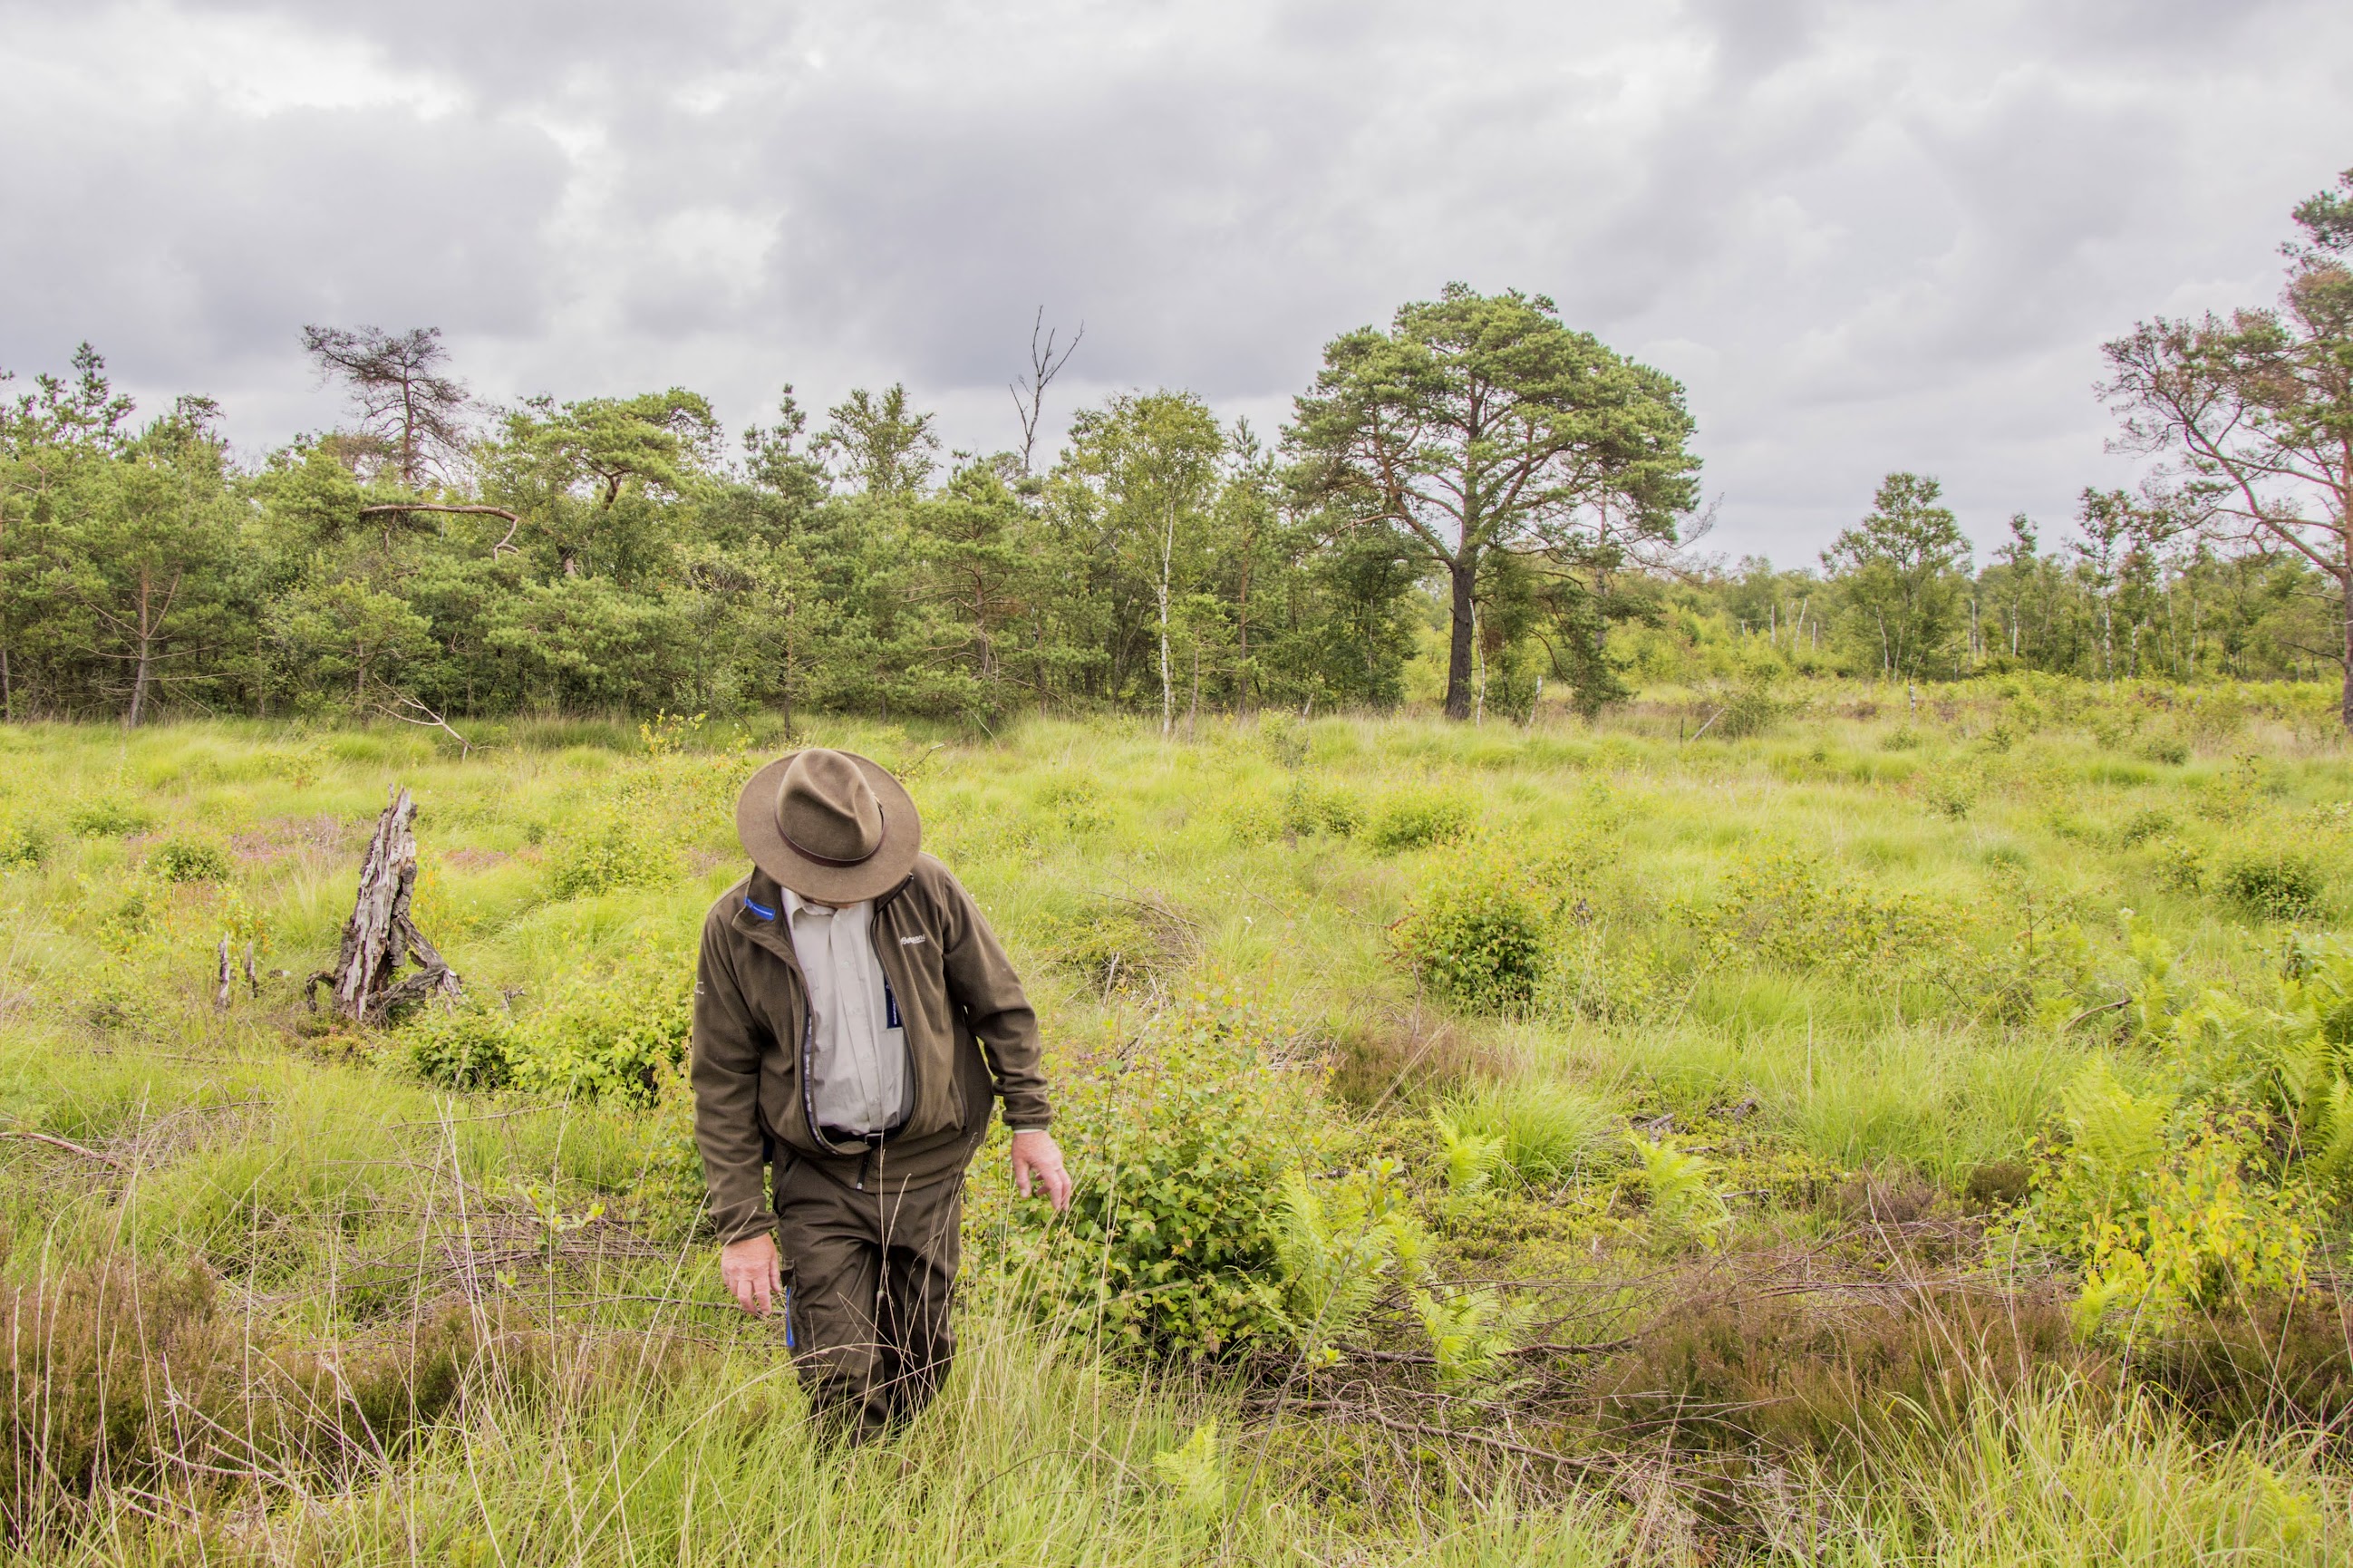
981 981
726 1074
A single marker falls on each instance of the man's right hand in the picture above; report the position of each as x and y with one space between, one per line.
749 1268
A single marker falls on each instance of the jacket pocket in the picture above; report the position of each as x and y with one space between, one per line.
781 1114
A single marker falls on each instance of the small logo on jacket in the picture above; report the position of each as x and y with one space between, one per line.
911 940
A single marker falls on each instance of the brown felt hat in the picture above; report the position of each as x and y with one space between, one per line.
830 825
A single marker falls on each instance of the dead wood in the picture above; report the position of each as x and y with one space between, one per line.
381 935
515 520
68 1145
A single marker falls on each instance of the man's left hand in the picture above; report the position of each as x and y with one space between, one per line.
1034 1155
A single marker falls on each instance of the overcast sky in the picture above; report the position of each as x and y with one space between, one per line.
1867 237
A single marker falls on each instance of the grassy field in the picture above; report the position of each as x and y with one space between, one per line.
1624 1147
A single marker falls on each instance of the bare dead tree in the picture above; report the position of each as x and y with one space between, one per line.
381 935
399 390
1045 365
409 710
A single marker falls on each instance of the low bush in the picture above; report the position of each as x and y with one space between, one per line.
1749 711
464 1047
1312 808
108 816
1385 1060
1181 1138
619 852
190 860
1121 944
2279 885
1077 804
610 1035
1416 819
23 845
1478 938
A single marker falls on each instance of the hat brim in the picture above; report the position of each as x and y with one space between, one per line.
902 838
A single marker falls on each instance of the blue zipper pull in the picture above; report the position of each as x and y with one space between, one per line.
788 1317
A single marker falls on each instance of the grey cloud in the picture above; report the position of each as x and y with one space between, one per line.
1868 236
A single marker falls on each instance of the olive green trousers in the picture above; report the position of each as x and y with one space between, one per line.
870 1273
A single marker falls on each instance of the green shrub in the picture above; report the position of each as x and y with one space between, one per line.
1077 804
610 1035
1750 711
1180 1139
190 860
1338 1245
621 852
2170 750
2178 865
2279 885
1903 738
1312 808
23 845
464 1047
1678 1190
2144 825
605 1035
1416 819
109 816
1478 939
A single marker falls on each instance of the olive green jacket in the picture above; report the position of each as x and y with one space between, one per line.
972 1037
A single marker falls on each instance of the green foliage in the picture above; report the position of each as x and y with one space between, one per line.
1417 819
610 1034
1544 1132
109 816
190 860
1195 1473
1181 1138
1478 937
1313 807
1684 1202
1471 1334
2277 884
463 1047
1467 1159
24 845
1750 711
621 851
1903 571
1339 1245
1431 415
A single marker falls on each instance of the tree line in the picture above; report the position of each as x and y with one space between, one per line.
1477 485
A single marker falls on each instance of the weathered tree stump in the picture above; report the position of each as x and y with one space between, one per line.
366 983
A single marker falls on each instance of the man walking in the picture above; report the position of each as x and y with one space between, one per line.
854 1018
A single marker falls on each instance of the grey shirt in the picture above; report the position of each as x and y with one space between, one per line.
859 1077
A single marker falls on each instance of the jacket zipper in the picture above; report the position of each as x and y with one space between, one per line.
914 1057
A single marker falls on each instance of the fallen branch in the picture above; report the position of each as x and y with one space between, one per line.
2095 1012
1380 1418
68 1144
1423 1358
